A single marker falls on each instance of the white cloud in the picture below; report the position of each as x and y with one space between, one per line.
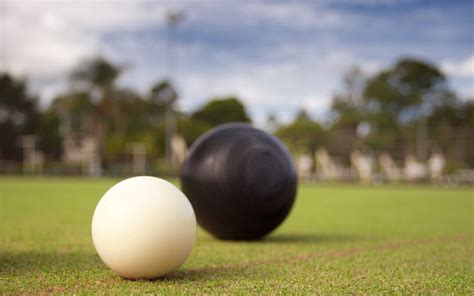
464 67
45 39
38 44
289 79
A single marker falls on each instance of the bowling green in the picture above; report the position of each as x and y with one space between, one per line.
338 239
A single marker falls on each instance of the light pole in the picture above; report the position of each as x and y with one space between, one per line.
173 18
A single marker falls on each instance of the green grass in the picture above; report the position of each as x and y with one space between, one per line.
339 239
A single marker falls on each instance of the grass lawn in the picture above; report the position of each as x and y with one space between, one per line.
339 239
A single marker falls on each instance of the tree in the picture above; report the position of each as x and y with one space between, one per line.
97 72
451 130
50 139
164 96
303 134
405 108
97 77
76 111
302 116
191 129
222 110
347 108
347 104
163 93
397 102
401 91
18 116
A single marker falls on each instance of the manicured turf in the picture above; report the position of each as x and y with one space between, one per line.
339 239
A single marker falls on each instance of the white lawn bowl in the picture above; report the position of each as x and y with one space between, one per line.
143 228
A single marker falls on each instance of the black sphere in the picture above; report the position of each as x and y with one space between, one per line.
240 180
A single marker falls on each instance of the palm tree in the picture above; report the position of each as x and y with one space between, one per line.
97 76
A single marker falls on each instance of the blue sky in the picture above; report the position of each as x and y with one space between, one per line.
277 56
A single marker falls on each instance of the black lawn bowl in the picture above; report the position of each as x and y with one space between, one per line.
240 180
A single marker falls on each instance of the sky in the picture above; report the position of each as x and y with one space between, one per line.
276 56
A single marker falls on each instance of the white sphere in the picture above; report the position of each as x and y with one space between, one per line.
143 228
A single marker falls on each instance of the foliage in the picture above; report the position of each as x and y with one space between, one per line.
114 116
406 108
221 110
76 110
117 117
96 72
347 103
398 98
348 109
303 135
191 128
19 115
50 139
163 94
451 130
402 91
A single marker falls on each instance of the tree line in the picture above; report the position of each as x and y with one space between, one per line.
407 108
94 105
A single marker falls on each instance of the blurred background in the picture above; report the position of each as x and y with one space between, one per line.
368 91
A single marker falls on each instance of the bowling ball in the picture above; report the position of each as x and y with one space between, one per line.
240 180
